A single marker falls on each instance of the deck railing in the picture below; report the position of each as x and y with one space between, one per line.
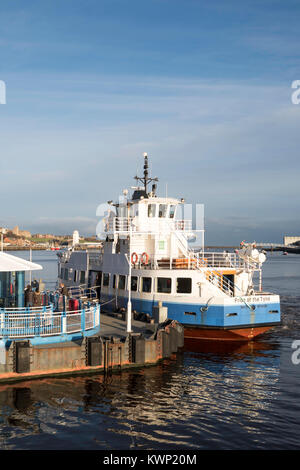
78 292
44 321
126 224
193 261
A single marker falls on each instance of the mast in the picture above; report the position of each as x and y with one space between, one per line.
145 179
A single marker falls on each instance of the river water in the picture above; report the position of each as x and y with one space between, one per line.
239 397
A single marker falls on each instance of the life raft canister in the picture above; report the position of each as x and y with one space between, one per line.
134 258
145 258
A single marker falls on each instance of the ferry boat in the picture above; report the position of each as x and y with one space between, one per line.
146 264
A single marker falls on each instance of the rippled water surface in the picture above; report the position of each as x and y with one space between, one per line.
238 397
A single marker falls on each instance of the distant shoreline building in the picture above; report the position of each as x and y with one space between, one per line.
21 233
289 240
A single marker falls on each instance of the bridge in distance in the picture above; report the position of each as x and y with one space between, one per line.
290 248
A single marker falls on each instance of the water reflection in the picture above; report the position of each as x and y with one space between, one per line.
227 348
212 396
197 400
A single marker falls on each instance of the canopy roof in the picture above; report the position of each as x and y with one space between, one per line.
13 263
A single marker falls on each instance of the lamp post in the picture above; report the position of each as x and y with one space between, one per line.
129 309
30 259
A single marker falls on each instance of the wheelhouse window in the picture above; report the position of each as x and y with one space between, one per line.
161 244
134 283
162 212
122 281
172 211
184 285
82 277
164 285
114 281
105 279
146 284
134 210
151 210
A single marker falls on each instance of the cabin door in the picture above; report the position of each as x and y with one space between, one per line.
95 278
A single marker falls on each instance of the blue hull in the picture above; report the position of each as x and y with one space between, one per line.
215 316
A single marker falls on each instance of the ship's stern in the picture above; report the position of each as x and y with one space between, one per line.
237 319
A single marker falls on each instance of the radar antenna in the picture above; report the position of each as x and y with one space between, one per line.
145 179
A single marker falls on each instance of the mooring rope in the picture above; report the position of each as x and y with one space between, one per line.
108 301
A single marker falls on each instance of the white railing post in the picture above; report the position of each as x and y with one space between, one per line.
129 307
83 319
97 316
2 319
64 323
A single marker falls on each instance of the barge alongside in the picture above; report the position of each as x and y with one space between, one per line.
146 265
65 335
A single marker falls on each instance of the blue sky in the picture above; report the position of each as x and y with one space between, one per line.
203 87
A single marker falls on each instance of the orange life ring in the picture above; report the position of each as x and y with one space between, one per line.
134 258
145 258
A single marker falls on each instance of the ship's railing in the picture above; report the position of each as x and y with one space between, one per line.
44 321
119 224
225 259
220 281
193 261
182 225
126 224
78 292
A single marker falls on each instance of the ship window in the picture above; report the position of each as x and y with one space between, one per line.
161 245
191 313
162 210
105 279
164 285
134 210
231 314
75 275
122 280
184 285
114 281
66 274
151 210
146 284
134 283
82 277
172 211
